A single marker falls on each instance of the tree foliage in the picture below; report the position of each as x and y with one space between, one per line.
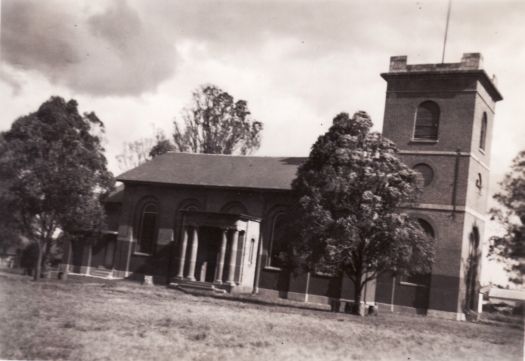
217 124
54 166
349 194
9 230
510 248
162 146
136 152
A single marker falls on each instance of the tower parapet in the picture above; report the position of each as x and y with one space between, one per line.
470 63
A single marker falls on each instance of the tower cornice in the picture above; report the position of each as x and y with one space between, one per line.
470 66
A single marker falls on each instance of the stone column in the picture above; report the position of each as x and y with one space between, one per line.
233 258
193 254
222 256
183 247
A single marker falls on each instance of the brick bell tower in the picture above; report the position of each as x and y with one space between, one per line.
441 118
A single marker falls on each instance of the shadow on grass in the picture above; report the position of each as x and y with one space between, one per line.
495 319
258 300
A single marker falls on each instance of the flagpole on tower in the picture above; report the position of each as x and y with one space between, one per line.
446 31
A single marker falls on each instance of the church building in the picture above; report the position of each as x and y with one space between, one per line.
216 222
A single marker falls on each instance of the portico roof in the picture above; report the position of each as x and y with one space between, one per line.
216 171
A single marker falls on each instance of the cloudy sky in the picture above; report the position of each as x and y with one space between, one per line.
297 63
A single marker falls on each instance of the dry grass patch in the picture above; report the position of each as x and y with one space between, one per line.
125 321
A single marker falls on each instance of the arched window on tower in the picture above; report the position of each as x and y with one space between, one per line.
427 228
427 121
483 132
147 229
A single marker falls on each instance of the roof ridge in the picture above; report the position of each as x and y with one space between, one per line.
236 155
247 172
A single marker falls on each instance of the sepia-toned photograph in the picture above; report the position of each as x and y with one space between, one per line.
255 180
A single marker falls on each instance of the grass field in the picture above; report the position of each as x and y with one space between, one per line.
74 320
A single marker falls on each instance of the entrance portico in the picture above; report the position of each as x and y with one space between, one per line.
218 249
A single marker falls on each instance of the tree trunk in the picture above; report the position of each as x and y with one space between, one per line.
357 299
357 308
45 256
38 266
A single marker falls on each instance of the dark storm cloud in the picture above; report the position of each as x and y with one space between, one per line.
120 26
35 36
111 52
128 47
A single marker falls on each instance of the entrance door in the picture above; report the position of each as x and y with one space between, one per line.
209 244
103 251
109 256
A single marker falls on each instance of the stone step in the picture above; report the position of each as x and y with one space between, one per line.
97 272
186 285
192 284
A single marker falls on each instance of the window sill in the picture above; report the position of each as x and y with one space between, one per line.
272 268
481 151
410 284
323 274
423 141
142 254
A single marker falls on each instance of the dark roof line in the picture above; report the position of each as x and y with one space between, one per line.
190 169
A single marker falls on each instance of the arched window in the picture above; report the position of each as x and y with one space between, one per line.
427 228
483 132
234 208
252 249
427 121
471 269
147 229
474 240
278 246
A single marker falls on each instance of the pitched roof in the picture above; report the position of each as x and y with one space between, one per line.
217 170
116 195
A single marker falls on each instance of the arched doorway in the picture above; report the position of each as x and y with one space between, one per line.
471 270
413 290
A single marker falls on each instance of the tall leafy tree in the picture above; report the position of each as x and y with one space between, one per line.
216 123
349 194
510 248
162 146
136 152
54 166
9 231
